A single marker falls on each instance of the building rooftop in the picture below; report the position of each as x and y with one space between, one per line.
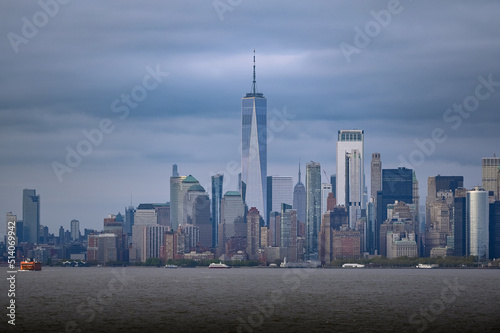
197 188
232 194
190 179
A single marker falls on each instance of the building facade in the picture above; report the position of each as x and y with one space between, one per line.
347 141
254 148
313 208
31 216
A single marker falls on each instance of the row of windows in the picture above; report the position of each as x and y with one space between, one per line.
351 136
247 120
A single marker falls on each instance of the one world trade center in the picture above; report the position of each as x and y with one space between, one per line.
254 148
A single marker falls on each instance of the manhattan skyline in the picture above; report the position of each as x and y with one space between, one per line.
405 84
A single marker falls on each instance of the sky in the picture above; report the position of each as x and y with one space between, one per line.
99 99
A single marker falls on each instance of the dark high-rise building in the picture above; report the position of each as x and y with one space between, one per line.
397 185
313 207
299 199
333 181
254 148
217 187
495 230
31 216
376 175
459 223
129 220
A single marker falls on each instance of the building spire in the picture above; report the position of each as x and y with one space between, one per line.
254 88
300 182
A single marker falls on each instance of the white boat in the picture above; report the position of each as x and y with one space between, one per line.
427 266
219 265
171 266
353 266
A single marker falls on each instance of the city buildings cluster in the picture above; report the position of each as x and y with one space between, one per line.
269 219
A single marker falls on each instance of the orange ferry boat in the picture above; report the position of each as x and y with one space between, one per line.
31 265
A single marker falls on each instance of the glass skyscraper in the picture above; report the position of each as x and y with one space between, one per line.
313 209
254 148
31 216
217 184
477 227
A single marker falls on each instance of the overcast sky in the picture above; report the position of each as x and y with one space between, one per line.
323 66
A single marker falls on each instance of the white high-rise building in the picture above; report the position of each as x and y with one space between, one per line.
477 214
354 186
349 140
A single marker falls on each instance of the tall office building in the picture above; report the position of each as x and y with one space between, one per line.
254 148
217 187
313 209
459 222
145 214
197 206
397 185
333 181
31 216
354 185
178 189
326 189
299 199
253 233
176 198
478 222
490 168
129 219
75 230
376 175
232 219
279 191
438 184
494 230
347 141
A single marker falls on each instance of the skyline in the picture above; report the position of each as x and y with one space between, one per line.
67 77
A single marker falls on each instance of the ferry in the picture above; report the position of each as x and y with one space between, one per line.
29 265
427 266
171 266
353 266
219 265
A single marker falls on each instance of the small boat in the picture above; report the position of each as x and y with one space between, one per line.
427 266
353 266
219 265
171 266
29 265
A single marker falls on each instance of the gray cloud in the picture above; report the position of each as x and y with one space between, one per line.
397 88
